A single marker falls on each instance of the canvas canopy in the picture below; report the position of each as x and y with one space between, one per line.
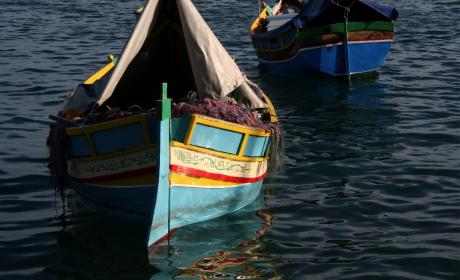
172 43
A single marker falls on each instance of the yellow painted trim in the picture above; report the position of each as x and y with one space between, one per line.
99 74
181 179
271 109
191 129
73 131
256 23
243 145
216 153
113 154
230 126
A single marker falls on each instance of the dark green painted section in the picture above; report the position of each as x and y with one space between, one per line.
164 105
179 128
352 27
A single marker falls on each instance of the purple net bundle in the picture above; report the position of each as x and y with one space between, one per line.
220 109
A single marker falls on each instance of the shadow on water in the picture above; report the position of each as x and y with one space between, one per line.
322 92
95 246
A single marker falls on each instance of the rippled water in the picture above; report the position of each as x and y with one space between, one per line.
369 187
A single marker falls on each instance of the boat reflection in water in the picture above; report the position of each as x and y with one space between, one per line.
94 245
225 248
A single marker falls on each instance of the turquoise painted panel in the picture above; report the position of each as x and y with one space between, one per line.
216 139
78 146
179 128
160 215
119 138
256 146
191 204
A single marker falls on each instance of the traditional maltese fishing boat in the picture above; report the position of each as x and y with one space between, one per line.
172 133
335 37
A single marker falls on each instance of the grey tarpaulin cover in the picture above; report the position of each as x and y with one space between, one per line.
215 73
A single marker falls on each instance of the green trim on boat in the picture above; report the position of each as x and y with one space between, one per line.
268 10
352 27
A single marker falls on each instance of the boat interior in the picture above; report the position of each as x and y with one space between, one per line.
288 9
162 58
359 12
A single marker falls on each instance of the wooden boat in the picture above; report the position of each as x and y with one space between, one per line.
129 153
335 37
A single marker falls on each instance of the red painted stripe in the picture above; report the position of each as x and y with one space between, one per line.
167 236
152 170
122 175
379 38
326 40
203 174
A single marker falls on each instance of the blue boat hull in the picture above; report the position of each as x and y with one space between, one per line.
363 57
129 202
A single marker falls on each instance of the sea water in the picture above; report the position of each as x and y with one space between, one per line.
369 186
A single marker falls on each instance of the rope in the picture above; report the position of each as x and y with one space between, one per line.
347 8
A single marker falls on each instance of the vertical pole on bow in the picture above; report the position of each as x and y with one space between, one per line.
160 226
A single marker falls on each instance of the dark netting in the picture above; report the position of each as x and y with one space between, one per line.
57 143
227 110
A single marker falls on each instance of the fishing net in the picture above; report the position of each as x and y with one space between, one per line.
227 110
57 143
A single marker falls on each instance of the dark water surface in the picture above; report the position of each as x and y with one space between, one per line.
369 187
